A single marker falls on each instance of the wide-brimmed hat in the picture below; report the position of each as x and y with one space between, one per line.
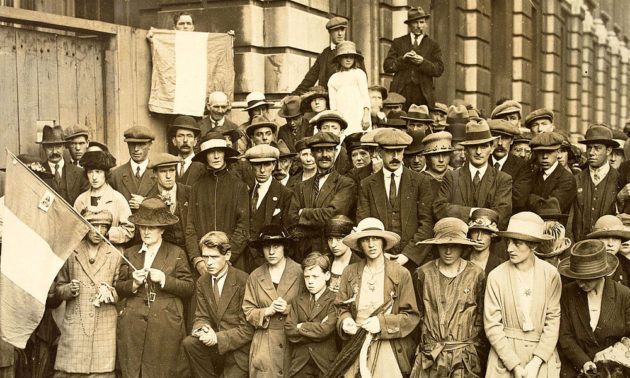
538 114
599 133
503 127
371 227
549 209
449 230
76 131
213 140
484 219
336 23
329 115
381 89
95 216
290 107
418 113
393 139
609 226
394 98
258 122
52 135
153 212
526 226
256 99
508 107
138 134
437 143
416 146
339 225
163 159
347 48
184 122
557 245
97 160
395 119
477 133
262 153
271 233
313 93
588 260
550 141
416 13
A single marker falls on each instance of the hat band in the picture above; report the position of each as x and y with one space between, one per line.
436 147
526 228
256 103
213 143
586 265
450 235
478 135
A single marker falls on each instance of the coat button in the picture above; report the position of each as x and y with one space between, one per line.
280 346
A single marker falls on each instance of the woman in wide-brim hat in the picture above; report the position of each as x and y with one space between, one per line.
390 239
348 89
594 308
213 141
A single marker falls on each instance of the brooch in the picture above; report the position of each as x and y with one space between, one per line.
466 290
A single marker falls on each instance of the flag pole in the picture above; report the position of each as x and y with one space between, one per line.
71 207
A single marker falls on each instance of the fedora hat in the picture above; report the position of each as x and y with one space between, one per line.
290 107
371 227
347 48
557 245
210 141
256 99
52 135
258 122
97 160
416 13
395 119
417 145
437 143
549 209
440 108
285 152
588 260
271 233
457 115
599 133
339 226
477 133
153 212
526 226
184 122
449 231
484 219
609 226
418 113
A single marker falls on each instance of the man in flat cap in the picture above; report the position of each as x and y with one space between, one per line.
596 185
400 198
477 184
504 161
393 102
77 141
318 199
414 59
268 199
333 122
550 179
132 179
68 180
260 131
510 111
184 133
539 121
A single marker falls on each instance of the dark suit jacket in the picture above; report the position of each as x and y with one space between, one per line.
277 202
560 184
123 180
343 163
206 126
303 130
320 71
405 72
74 181
226 318
316 336
624 178
415 210
456 197
243 170
519 170
358 174
176 234
192 174
578 343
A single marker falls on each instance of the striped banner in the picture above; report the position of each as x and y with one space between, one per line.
40 232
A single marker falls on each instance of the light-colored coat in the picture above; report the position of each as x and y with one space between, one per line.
503 321
88 333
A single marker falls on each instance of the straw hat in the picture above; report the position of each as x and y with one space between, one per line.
450 231
210 141
437 143
526 226
153 212
588 260
609 226
256 99
371 227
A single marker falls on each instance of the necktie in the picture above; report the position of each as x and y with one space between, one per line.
75 162
311 304
318 176
57 174
416 41
215 289
392 189
596 177
254 206
476 180
138 173
497 166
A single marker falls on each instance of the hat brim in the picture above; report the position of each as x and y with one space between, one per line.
138 140
432 152
257 104
287 155
417 119
484 228
417 18
621 234
554 217
409 152
564 268
68 138
605 142
259 243
543 148
201 156
282 114
528 123
173 128
521 236
53 142
391 239
322 144
168 221
442 241
313 95
250 129
566 244
477 141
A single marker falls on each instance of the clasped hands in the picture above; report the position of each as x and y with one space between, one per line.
278 306
413 57
530 370
206 335
140 277
371 324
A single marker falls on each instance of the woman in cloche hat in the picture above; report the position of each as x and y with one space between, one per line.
153 282
348 89
595 309
449 288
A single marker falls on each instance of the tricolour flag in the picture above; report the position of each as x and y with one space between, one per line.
187 66
40 231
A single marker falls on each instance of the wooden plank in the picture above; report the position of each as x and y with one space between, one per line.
98 91
86 91
125 91
47 77
112 117
49 20
67 76
8 94
28 99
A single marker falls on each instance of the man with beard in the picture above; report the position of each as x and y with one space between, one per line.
283 169
437 154
69 180
400 197
476 184
77 141
414 159
510 111
503 161
184 136
318 199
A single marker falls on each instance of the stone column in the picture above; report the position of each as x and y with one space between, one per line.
574 65
588 70
550 56
624 67
601 71
613 92
522 54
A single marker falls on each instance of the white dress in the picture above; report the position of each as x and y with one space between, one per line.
348 93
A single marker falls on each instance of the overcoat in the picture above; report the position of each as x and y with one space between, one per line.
88 333
149 338
124 181
269 355
74 181
560 184
192 174
521 174
176 234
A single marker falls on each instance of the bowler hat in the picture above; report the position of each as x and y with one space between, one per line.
258 122
416 146
52 135
503 127
609 226
549 141
336 23
347 48
381 89
588 260
329 115
262 153
437 143
153 212
538 114
416 13
290 107
97 216
449 230
76 131
371 227
508 107
526 226
599 133
211 141
271 234
185 122
394 98
339 225
418 113
477 133
163 160
395 120
323 139
97 160
549 209
256 99
484 219
138 134
393 139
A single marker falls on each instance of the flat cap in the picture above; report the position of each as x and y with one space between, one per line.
437 143
97 216
163 160
525 137
368 138
329 115
184 122
262 153
285 152
75 131
508 107
139 134
323 139
503 127
393 139
353 141
301 144
546 141
336 23
439 107
394 98
538 114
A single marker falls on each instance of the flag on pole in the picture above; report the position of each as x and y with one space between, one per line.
187 66
40 231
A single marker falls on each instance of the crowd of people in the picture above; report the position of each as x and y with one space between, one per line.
374 233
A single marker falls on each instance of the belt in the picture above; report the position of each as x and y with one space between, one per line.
519 334
434 349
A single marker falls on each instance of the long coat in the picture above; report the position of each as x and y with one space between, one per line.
560 184
149 338
415 210
73 181
503 320
124 181
578 343
88 333
408 73
399 324
520 172
269 355
192 174
456 197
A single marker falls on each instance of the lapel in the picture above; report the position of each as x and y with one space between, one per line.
513 282
581 308
147 181
327 189
319 305
288 278
70 177
485 186
553 178
307 190
266 284
390 289
465 185
406 189
380 195
160 258
128 179
229 289
407 45
81 255
607 310
182 204
271 199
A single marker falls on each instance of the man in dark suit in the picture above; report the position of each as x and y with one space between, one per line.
550 179
297 127
219 345
260 131
333 122
68 180
77 141
218 106
318 199
514 166
476 184
400 197
414 59
184 135
132 179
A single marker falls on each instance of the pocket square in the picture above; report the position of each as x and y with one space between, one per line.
276 211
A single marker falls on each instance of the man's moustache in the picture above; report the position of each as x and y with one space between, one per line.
395 161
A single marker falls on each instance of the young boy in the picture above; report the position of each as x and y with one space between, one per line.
311 323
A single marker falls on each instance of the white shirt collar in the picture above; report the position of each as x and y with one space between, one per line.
219 279
413 37
396 173
473 170
285 180
594 298
52 166
263 188
602 171
183 166
172 192
143 166
500 161
151 252
217 123
333 46
550 170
